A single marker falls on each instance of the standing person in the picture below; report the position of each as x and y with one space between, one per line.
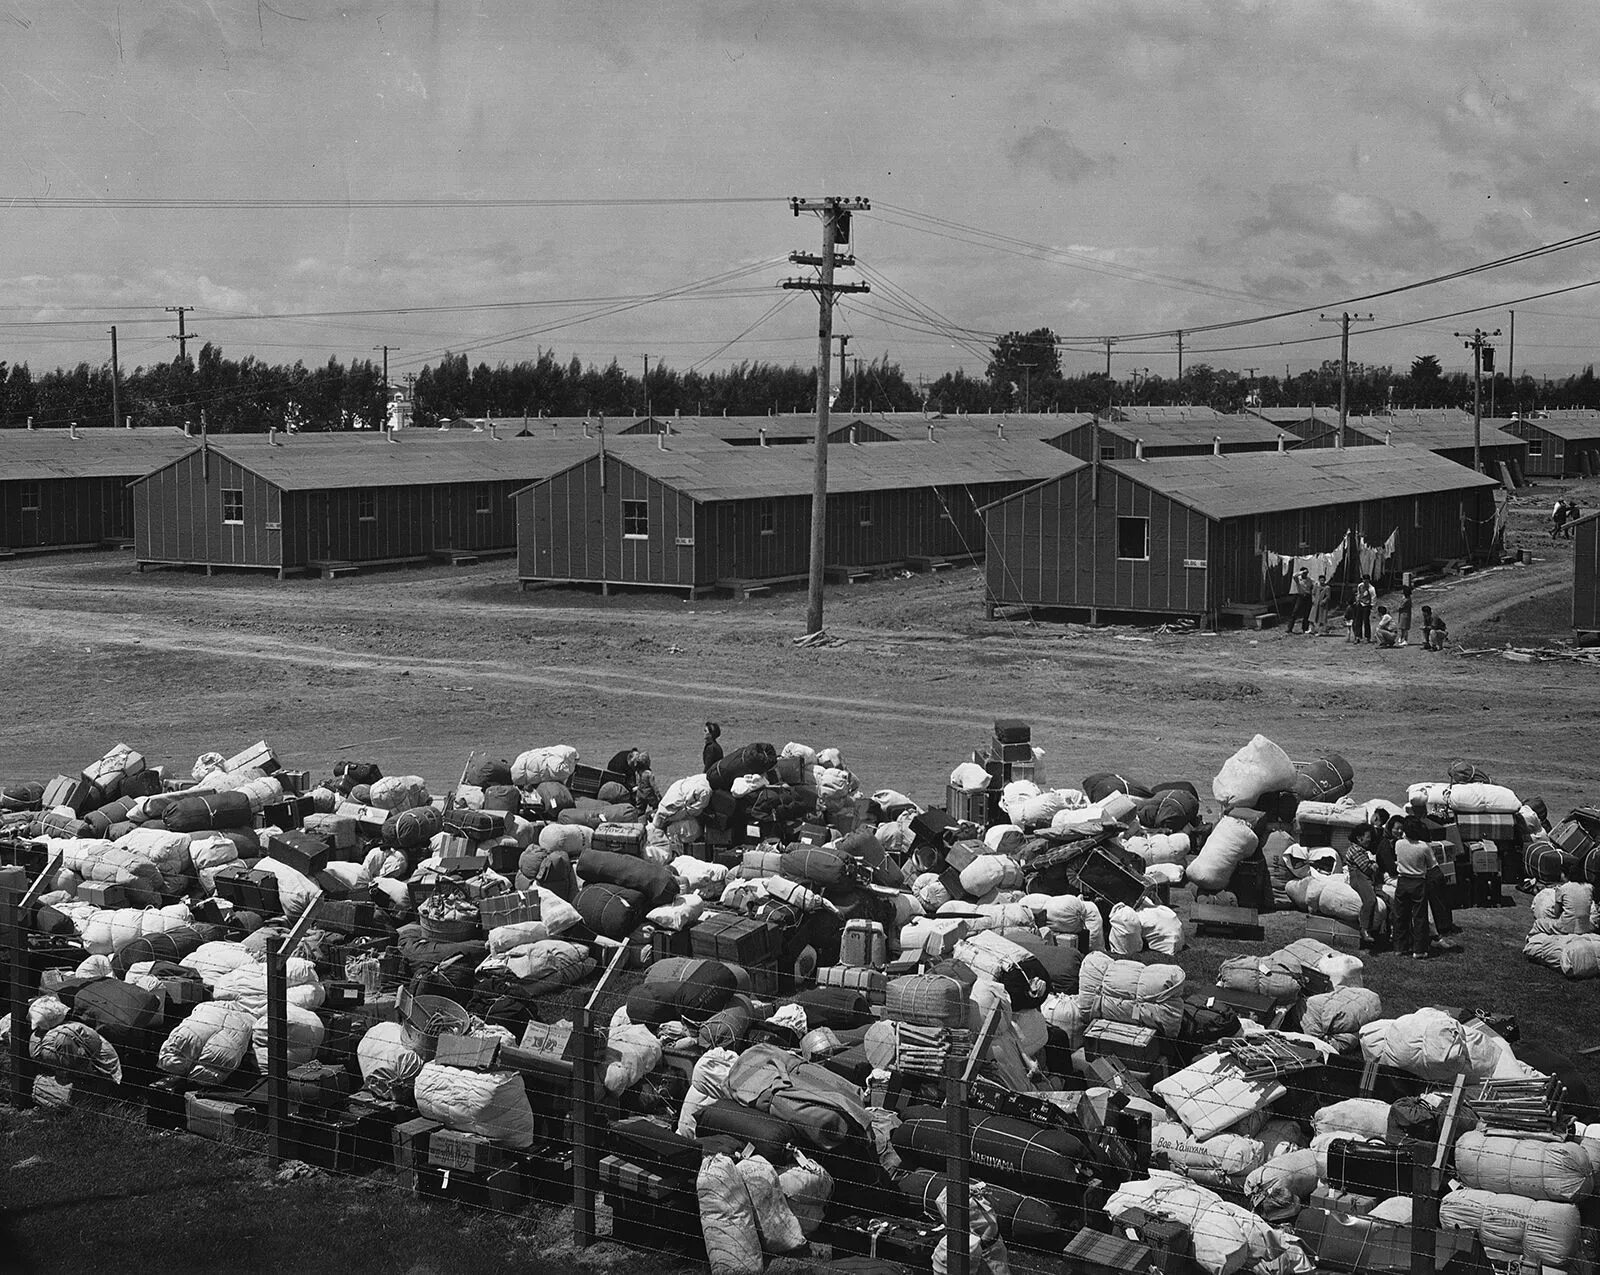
1388 630
1558 518
1413 858
711 751
1319 605
1364 875
1301 614
645 793
1573 514
1434 633
1403 615
1366 595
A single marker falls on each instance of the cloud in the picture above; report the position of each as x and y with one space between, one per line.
1051 151
1380 231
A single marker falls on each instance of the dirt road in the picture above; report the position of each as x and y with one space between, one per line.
414 668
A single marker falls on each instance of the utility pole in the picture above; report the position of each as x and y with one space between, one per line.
843 339
385 350
855 389
1251 373
1344 321
835 231
646 384
1511 362
183 338
1180 356
1482 356
116 388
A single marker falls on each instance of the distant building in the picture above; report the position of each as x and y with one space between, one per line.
336 501
1448 432
1191 536
1126 433
1561 444
697 514
68 488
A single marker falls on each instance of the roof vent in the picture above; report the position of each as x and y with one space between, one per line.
1282 439
761 435
72 431
1138 449
661 441
1216 445
1388 436
855 439
1000 430
30 424
272 436
930 432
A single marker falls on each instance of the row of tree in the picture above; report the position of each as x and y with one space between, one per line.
1024 374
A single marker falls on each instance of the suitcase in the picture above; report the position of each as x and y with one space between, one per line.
1252 884
725 936
1012 730
1336 934
103 894
623 838
871 983
1369 1168
864 945
219 1119
74 791
1102 1254
1215 921
508 909
248 889
1137 1048
1569 834
323 1139
971 807
305 852
1256 1005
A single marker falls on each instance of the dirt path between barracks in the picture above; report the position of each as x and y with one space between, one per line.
414 668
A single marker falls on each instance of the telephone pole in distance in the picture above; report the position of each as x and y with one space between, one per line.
835 213
1344 321
1482 357
183 338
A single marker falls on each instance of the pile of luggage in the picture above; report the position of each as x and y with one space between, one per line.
795 972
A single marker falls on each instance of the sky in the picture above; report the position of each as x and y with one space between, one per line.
613 181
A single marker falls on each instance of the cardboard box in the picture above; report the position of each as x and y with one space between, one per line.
103 894
258 755
465 1152
221 1120
410 1142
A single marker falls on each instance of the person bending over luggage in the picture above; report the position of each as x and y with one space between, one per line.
1413 859
1387 630
711 751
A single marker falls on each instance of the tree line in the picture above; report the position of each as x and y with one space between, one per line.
1024 374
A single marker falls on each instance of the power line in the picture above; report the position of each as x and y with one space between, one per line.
132 203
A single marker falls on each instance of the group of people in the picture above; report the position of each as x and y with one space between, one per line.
1392 629
1565 513
1399 849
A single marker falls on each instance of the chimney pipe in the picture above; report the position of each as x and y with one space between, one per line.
1338 436
762 434
855 441
492 429
30 422
661 441
930 431
1388 438
1138 449
1281 441
127 422
586 432
272 436
72 431
1216 445
187 432
1000 430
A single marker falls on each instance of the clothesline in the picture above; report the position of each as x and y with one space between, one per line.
1371 558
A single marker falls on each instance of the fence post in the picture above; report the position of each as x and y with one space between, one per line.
959 1072
17 908
585 1145
278 1033
1427 1180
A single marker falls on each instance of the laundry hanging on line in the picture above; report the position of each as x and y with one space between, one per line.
1375 557
1318 564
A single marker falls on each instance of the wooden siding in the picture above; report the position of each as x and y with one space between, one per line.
1586 576
177 515
178 519
72 511
1559 457
1053 547
570 529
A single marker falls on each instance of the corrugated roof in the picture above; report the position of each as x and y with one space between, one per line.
1308 478
38 454
1036 426
1290 415
1441 429
329 462
1577 424
1192 431
711 472
1158 414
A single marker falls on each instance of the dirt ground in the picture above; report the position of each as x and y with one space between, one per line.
415 668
